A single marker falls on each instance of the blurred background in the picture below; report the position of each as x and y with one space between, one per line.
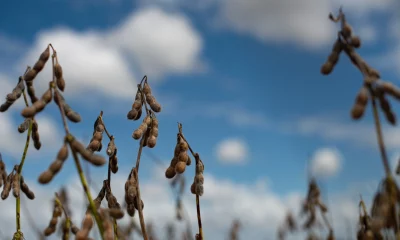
243 77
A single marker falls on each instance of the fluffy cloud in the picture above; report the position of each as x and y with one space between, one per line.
259 209
160 42
150 41
232 151
90 64
326 162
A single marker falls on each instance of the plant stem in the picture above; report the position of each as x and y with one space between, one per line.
138 198
87 191
379 136
19 171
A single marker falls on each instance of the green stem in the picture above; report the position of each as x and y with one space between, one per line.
87 191
19 171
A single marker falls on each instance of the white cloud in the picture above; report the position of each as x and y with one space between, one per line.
160 42
354 132
326 162
100 62
232 150
89 64
280 21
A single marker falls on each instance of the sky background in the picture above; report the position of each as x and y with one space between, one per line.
244 79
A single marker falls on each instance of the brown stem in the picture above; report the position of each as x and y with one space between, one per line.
379 136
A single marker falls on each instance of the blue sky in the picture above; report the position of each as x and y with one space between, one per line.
244 79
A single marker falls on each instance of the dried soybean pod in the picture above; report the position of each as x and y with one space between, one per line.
146 88
390 89
327 68
111 147
25 189
35 135
7 186
16 185
385 105
24 126
355 41
45 177
347 30
58 72
360 103
44 56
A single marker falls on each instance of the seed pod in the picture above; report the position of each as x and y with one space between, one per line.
97 160
188 161
39 65
130 208
390 89
146 88
333 58
360 103
385 105
69 112
347 30
25 189
31 92
16 185
24 126
74 229
355 41
114 163
58 72
170 172
337 46
136 205
45 177
111 148
326 68
35 135
132 114
14 95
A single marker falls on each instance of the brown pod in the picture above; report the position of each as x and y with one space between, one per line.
25 189
130 208
98 136
24 126
146 88
333 58
58 72
374 73
114 164
94 145
138 115
357 111
389 88
199 189
30 75
132 114
180 167
45 177
16 185
188 161
337 46
73 116
49 230
347 30
56 166
116 213
39 106
97 160
170 172
63 153
74 229
193 189
28 112
137 134
135 204
137 104
326 68
151 141
355 41
199 179
156 107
